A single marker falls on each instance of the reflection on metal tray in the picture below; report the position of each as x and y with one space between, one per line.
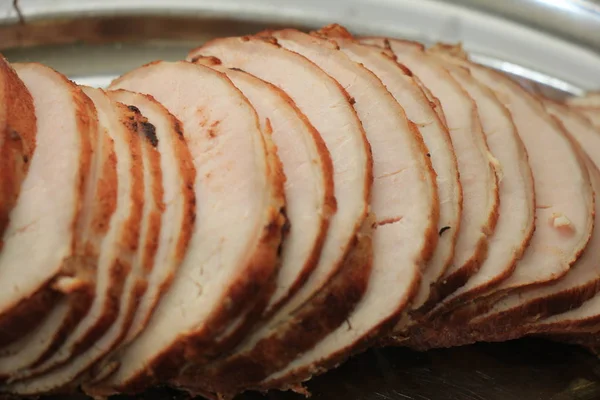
553 45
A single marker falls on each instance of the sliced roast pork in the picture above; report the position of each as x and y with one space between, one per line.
583 280
590 99
178 202
404 200
340 277
17 138
118 251
580 283
44 257
564 210
309 179
407 92
516 213
142 262
564 197
176 222
99 205
475 164
233 251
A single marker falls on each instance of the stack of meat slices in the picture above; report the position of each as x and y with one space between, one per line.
255 215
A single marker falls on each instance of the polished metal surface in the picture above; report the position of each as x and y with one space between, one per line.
560 48
550 45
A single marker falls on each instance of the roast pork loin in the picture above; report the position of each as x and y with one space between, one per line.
583 281
233 251
254 216
114 270
564 197
409 94
100 199
45 257
406 219
307 165
176 221
340 277
516 212
475 165
17 138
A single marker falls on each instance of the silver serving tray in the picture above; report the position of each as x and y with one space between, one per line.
550 45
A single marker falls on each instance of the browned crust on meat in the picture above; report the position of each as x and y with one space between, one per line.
287 341
17 139
19 320
187 171
102 198
130 234
148 141
329 309
385 326
329 202
374 336
257 275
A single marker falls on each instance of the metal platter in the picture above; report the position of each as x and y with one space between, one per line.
550 45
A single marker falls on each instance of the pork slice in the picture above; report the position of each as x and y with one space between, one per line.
44 257
580 318
516 212
341 275
475 164
117 252
404 200
17 138
564 197
178 201
310 201
564 214
233 251
582 281
98 206
148 158
177 206
408 93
